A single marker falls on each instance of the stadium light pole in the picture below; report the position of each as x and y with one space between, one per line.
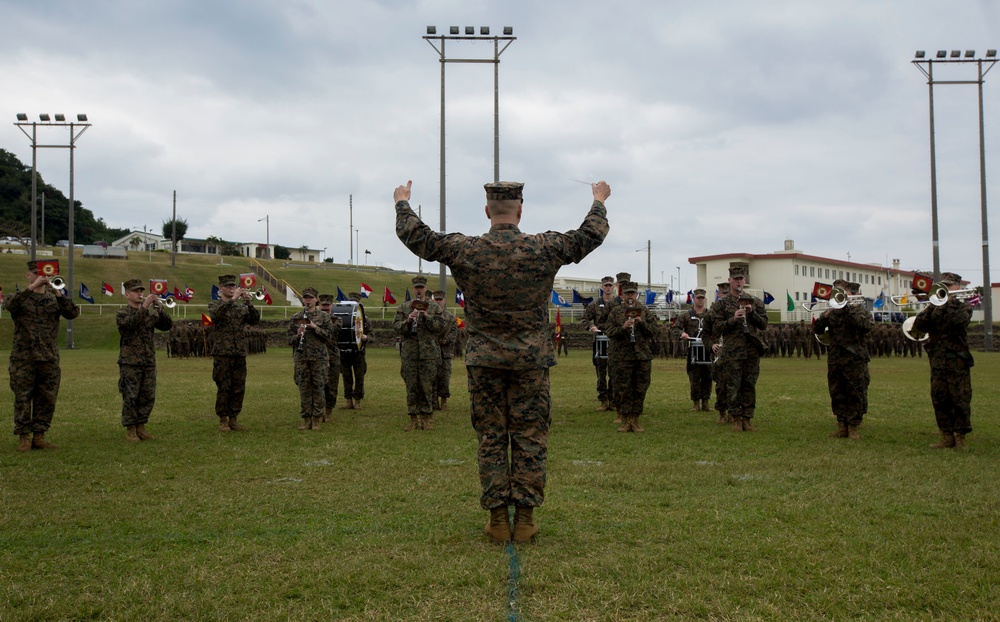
926 67
76 129
437 42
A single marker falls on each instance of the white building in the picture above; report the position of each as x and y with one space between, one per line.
790 273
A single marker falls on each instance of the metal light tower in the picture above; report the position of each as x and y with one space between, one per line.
926 67
437 42
75 131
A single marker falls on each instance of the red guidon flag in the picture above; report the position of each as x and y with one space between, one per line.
205 320
248 280
922 282
822 291
47 268
158 286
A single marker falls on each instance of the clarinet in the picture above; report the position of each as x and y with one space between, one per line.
302 341
631 334
746 326
414 331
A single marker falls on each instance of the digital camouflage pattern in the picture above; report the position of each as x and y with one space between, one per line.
631 362
951 361
847 360
420 354
699 376
311 355
506 277
354 366
34 356
596 314
137 360
738 365
447 339
229 352
333 372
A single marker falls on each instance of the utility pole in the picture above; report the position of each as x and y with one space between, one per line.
173 235
350 205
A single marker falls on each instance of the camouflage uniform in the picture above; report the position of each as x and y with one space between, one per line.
699 376
633 361
137 361
738 364
596 314
354 366
419 354
447 339
333 373
507 279
948 352
312 360
229 352
34 357
847 363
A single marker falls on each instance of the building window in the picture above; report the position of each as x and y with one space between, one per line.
812 271
796 269
880 280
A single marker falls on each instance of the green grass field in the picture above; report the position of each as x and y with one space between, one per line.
362 521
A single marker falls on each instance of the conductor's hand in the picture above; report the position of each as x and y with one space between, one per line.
402 193
601 191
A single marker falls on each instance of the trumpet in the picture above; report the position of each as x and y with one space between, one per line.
57 282
840 299
940 294
169 303
258 294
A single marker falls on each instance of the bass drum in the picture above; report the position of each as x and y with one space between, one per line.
352 324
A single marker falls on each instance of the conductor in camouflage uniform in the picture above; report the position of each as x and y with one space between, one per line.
34 356
447 339
137 357
309 333
738 320
947 348
419 324
507 277
594 317
230 315
847 329
689 325
631 328
333 376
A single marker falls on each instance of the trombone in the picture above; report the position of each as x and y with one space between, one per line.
840 299
169 303
258 293
57 282
939 295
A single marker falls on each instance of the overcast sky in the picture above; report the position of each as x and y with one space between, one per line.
722 126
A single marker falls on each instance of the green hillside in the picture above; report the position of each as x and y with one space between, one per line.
199 272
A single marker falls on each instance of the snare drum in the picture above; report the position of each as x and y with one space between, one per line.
698 354
352 324
600 346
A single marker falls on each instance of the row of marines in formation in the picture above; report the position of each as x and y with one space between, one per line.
189 338
724 345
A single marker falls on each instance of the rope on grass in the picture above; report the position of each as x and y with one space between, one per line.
513 576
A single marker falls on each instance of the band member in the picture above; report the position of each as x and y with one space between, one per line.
620 280
737 321
34 355
594 317
507 277
309 333
447 338
947 348
721 391
632 329
230 315
689 328
354 364
419 323
333 376
137 358
847 364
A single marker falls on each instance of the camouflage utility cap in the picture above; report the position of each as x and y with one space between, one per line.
326 298
438 295
723 287
630 287
227 279
842 284
736 272
133 284
623 277
950 278
504 190
355 296
854 287
310 292
419 281
608 280
699 293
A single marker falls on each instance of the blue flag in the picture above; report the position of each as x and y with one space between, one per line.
559 301
408 294
215 292
650 297
577 298
670 297
340 295
880 301
85 293
768 298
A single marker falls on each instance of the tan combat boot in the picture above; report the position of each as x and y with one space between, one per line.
524 525
747 426
414 424
624 427
444 403
223 424
436 404
947 441
357 404
852 433
306 423
841 431
316 423
704 406
960 441
38 442
348 404
618 413
130 435
737 423
25 443
696 407
427 422
604 407
140 431
633 425
498 526
234 426
723 419
328 414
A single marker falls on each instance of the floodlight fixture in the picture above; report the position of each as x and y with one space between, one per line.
22 116
470 30
508 30
942 54
991 53
970 53
43 117
484 30
432 30
82 118
453 30
61 118
956 53
919 54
